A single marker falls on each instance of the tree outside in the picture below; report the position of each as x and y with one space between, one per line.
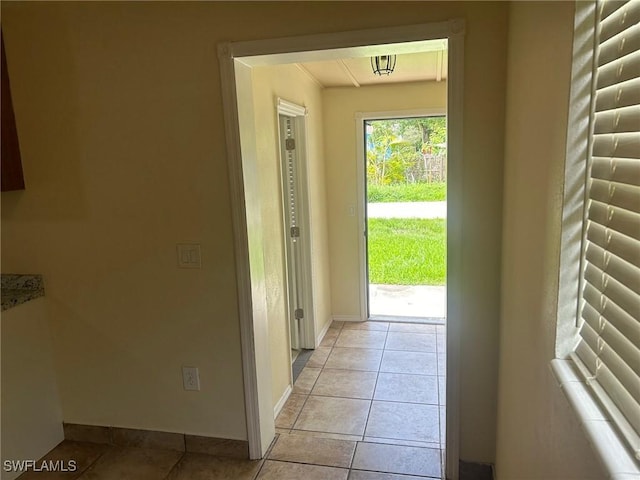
406 151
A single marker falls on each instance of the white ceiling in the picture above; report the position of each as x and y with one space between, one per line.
423 60
350 72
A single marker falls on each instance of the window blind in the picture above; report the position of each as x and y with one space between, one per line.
609 348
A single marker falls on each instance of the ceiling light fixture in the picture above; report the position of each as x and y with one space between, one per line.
383 64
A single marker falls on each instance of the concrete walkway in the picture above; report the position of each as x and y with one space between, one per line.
423 301
420 301
407 210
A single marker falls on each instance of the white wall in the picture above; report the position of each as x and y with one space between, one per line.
290 83
31 413
539 436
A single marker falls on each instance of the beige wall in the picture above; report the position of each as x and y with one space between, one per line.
340 107
538 433
118 108
118 111
31 414
291 84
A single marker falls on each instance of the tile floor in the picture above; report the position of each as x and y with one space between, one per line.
375 392
369 405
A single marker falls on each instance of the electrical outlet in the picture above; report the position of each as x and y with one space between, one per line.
189 255
190 378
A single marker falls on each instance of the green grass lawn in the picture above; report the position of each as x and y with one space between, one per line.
413 192
407 251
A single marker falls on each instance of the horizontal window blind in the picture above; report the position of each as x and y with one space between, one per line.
609 348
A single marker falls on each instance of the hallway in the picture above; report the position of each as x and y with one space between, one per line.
370 399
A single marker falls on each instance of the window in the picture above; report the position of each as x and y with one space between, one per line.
606 146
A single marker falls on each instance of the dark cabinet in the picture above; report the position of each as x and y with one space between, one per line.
11 175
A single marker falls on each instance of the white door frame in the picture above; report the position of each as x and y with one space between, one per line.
299 113
361 117
235 58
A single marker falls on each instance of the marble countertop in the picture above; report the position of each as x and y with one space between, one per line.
18 289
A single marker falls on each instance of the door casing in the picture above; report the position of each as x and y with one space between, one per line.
236 60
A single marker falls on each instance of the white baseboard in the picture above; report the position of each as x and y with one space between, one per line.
347 318
282 401
321 335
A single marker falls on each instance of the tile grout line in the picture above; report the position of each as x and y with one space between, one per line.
438 405
384 371
371 401
377 441
391 441
349 468
366 423
372 398
442 448
92 463
293 424
267 454
353 455
175 465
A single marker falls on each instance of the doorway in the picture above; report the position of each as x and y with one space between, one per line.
236 61
291 200
405 217
295 209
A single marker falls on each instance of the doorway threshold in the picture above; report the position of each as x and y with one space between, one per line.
401 319
299 363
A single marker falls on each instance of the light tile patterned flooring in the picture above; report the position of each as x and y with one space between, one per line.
374 391
369 405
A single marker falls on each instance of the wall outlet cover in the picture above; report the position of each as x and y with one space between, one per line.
189 255
190 378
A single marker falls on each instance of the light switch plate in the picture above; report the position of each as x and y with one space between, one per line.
189 255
